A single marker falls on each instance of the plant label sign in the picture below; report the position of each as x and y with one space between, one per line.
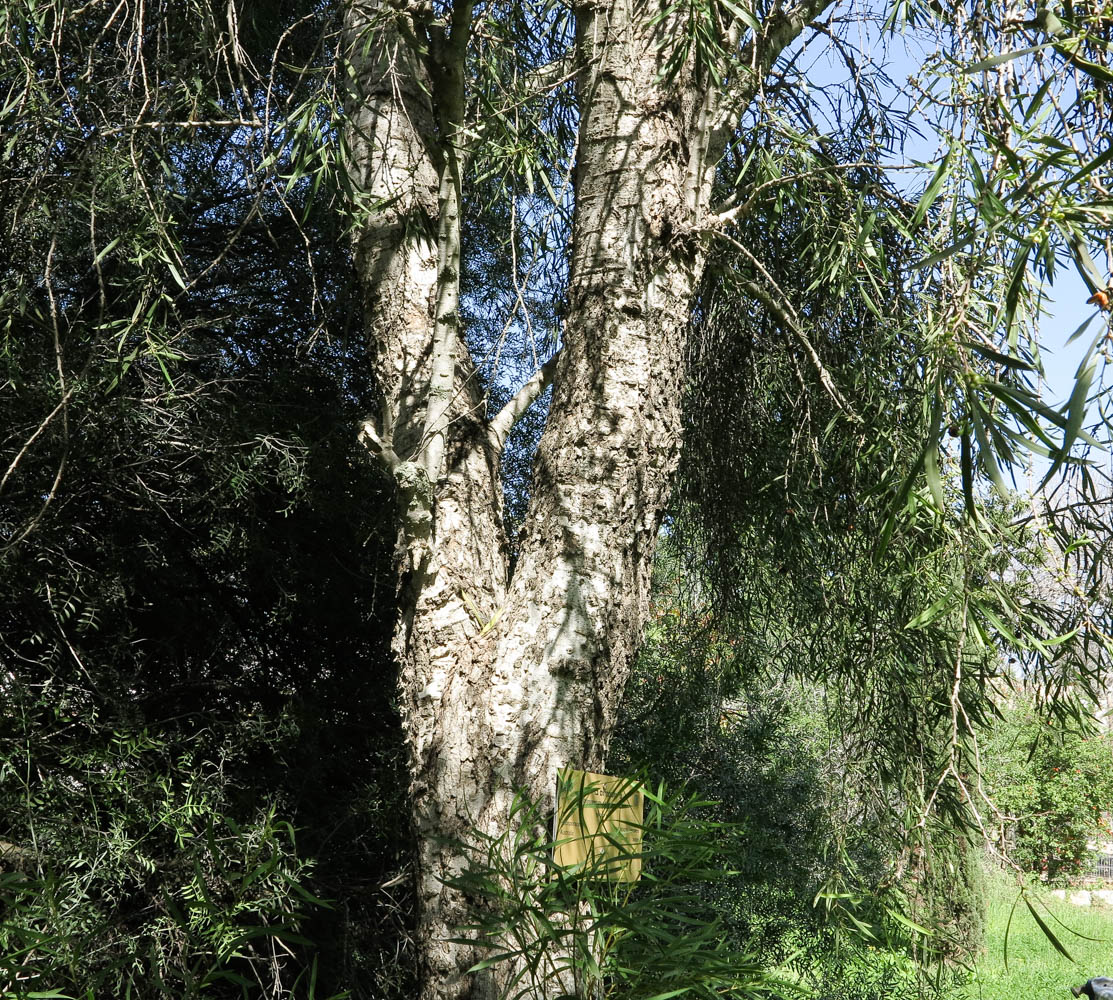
597 828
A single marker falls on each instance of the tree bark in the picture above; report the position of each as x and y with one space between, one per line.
430 433
506 678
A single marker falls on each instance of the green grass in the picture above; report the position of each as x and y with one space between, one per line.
1035 968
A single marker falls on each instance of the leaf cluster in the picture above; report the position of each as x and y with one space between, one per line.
574 930
131 841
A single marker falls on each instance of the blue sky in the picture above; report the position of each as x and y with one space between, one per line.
900 56
1068 310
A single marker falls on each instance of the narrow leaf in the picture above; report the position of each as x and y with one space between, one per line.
1038 96
1047 931
1098 161
1003 57
1008 927
933 188
1082 329
1016 283
1002 359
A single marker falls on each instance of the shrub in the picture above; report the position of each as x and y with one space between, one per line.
551 929
127 875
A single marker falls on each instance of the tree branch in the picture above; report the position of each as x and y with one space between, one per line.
381 447
449 57
504 421
781 308
780 30
730 212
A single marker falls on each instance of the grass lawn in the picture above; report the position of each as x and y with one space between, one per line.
1035 969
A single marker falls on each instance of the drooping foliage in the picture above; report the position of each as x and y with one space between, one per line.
830 520
859 378
789 476
825 874
195 594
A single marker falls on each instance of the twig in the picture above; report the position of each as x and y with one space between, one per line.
783 311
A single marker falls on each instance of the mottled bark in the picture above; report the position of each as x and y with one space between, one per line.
431 432
505 679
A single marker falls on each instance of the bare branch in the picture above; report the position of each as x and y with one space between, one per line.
63 403
512 412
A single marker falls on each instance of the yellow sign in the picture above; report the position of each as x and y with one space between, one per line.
598 825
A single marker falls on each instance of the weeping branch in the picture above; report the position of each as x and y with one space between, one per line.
781 308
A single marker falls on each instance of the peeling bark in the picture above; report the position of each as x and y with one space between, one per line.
430 434
503 679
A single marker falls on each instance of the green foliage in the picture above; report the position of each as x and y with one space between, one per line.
830 527
699 35
549 928
865 974
194 560
946 888
1016 195
771 765
189 536
132 842
1054 788
825 878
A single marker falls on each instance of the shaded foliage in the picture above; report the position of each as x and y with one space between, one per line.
820 876
577 931
195 584
789 476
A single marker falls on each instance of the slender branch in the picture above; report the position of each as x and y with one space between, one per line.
782 309
448 56
547 77
781 29
62 407
543 80
504 421
727 213
184 123
31 440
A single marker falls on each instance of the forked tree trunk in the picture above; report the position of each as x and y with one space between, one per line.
505 678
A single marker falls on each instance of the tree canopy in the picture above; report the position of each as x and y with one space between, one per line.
357 357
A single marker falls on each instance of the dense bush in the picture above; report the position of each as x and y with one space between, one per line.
195 610
818 883
572 930
132 876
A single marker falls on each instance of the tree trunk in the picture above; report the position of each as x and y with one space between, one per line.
504 679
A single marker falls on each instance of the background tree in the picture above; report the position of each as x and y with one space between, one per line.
1054 792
